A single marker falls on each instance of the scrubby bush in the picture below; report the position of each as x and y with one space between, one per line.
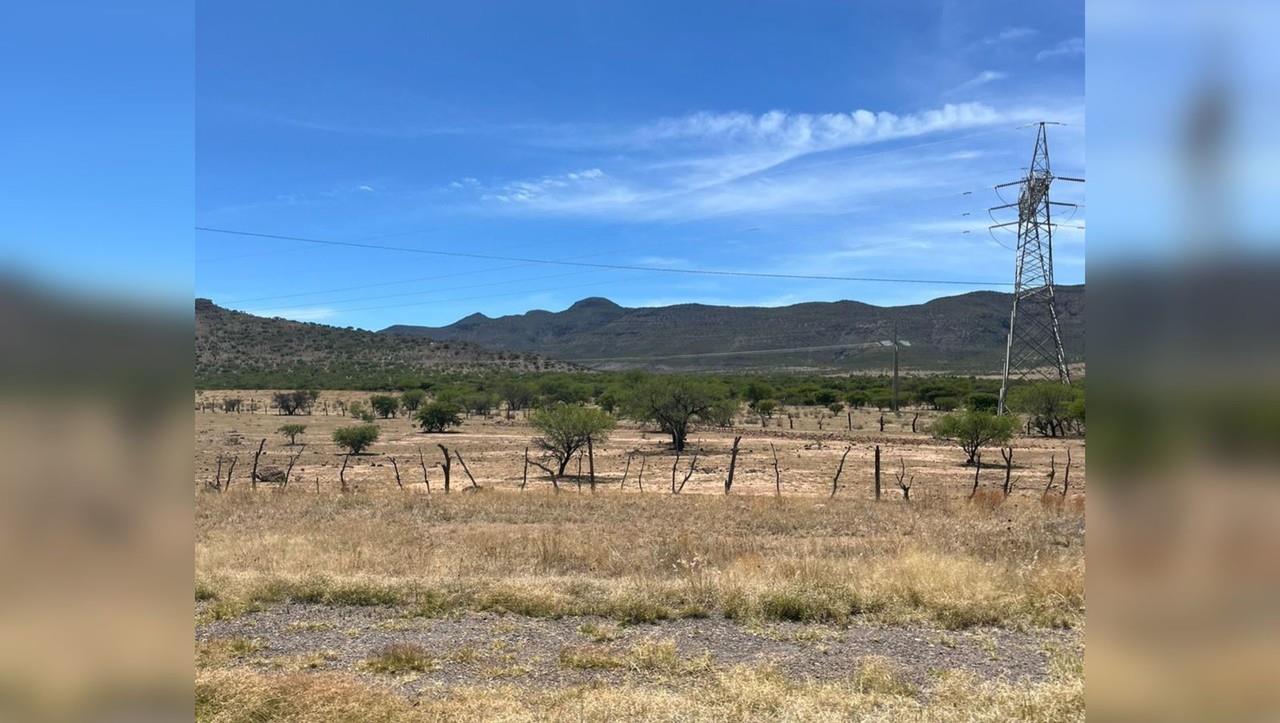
438 416
412 399
292 431
974 430
1045 403
385 405
357 438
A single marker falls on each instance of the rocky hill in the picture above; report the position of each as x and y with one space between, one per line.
235 349
964 333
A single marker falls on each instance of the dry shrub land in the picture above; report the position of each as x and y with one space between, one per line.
392 603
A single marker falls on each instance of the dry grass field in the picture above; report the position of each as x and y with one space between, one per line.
500 603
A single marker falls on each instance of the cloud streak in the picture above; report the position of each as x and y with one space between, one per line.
709 164
981 79
1067 48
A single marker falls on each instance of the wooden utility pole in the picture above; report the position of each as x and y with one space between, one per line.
733 462
877 473
895 368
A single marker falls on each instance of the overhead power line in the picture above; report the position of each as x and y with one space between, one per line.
601 266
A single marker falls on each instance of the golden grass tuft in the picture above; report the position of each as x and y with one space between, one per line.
635 559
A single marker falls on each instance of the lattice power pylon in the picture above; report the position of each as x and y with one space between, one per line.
1034 347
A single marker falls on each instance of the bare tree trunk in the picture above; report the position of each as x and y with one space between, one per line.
230 471
423 463
446 466
217 476
253 476
849 419
1053 472
733 462
977 470
791 421
591 464
1066 475
835 481
396 467
342 473
464 469
881 423
692 464
674 464
626 471
878 464
292 460
524 477
914 419
1007 454
640 477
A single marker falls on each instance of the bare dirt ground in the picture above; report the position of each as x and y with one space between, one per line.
494 447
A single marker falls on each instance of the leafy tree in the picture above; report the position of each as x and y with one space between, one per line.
946 404
835 407
517 394
983 401
481 403
292 431
856 399
766 407
973 430
439 416
1075 410
412 399
757 391
295 402
881 399
674 404
824 397
358 410
1045 403
385 405
356 438
722 412
565 429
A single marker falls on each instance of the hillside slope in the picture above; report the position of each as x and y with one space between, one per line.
235 349
955 333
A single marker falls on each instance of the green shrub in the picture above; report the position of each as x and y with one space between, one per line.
439 416
357 438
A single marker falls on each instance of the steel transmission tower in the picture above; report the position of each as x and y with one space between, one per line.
1034 346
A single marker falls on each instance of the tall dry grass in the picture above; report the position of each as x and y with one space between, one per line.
638 558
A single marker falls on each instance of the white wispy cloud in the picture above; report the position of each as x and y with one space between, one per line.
986 76
1068 47
709 164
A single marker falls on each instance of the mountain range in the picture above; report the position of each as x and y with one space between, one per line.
963 333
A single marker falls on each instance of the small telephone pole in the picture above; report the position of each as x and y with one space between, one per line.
895 367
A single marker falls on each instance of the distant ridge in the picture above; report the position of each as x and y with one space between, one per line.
235 349
963 333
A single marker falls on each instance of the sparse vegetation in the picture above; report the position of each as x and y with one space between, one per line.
357 438
973 430
292 431
438 417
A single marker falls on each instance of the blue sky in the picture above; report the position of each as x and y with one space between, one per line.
806 138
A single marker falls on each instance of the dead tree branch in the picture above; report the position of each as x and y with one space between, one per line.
733 462
900 475
835 481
